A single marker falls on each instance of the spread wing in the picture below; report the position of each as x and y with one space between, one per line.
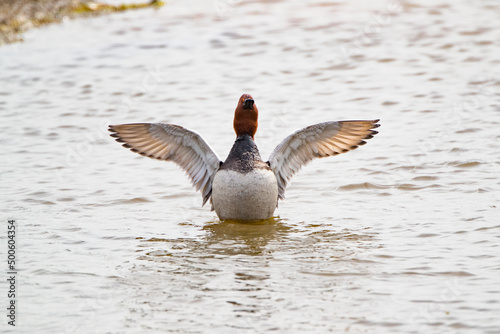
172 143
317 141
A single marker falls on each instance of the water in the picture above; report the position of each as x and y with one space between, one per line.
400 236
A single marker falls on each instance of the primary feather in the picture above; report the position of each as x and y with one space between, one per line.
317 141
174 143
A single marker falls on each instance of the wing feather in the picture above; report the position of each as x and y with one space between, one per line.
317 141
174 143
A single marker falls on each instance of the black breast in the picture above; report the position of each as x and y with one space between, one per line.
244 156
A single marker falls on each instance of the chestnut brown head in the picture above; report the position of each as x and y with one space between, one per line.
246 116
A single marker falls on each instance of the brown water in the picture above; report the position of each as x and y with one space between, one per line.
400 236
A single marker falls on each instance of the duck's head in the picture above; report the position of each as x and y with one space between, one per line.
245 116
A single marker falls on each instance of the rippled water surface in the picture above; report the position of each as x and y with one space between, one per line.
400 236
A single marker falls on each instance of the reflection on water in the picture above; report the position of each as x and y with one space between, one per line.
232 238
223 238
399 236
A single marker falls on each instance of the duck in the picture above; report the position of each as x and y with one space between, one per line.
243 187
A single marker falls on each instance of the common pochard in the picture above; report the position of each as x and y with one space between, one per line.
243 187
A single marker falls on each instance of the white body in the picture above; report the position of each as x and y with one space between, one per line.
245 196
